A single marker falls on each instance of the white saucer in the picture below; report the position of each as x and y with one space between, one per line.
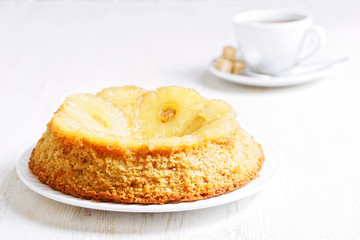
312 71
270 167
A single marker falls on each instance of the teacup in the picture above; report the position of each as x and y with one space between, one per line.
273 41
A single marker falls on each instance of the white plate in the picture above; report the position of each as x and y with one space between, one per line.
299 75
270 167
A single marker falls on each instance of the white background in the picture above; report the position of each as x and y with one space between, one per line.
49 50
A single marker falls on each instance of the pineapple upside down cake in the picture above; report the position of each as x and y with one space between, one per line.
130 145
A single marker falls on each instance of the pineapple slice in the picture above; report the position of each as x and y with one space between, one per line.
168 111
220 119
216 109
126 99
91 117
213 110
122 96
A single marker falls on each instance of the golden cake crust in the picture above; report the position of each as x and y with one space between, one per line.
145 174
55 174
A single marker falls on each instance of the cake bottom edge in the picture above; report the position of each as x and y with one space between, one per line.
144 200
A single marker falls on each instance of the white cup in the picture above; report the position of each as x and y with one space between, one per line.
273 41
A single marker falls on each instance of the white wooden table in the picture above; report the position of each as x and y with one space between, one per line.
49 50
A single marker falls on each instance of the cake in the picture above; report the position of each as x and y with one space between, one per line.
130 145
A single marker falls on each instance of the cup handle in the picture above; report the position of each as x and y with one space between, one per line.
321 37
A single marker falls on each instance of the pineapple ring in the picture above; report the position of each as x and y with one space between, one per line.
122 97
168 111
89 116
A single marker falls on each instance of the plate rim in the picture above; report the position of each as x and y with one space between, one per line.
273 82
30 180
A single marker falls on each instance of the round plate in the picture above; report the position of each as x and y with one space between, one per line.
300 75
270 167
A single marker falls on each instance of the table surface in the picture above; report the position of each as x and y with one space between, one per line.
49 50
